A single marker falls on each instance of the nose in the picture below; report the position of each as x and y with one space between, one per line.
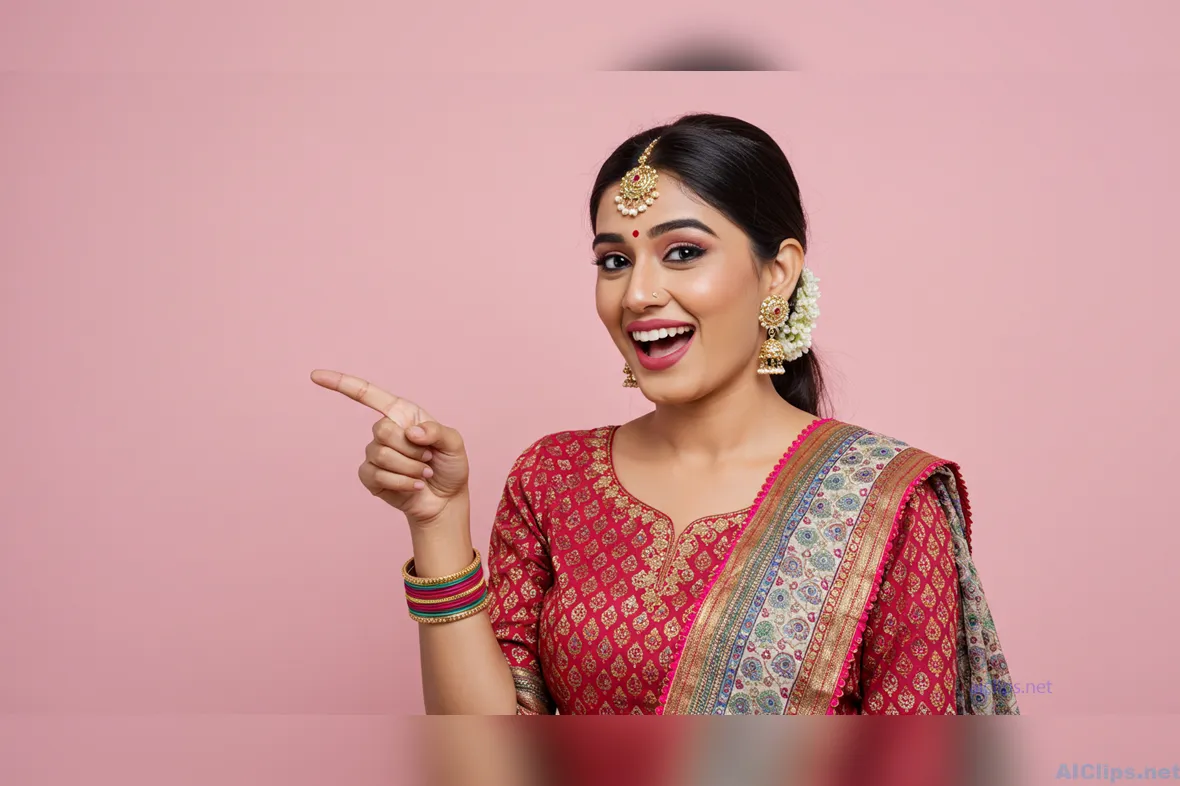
642 287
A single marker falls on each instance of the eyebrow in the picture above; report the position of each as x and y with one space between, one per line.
656 231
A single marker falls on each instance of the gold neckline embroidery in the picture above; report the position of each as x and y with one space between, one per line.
666 555
609 461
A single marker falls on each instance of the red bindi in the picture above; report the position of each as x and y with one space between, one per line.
635 233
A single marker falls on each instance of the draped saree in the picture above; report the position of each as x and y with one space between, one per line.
844 490
598 608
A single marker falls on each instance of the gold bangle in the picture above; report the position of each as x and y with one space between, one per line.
418 581
483 604
482 585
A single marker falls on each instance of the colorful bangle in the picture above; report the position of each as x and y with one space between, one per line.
450 607
449 598
419 582
463 596
444 617
455 588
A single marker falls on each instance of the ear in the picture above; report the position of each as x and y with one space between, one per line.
781 275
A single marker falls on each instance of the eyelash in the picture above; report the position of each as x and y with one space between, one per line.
601 261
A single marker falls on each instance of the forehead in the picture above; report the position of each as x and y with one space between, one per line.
676 200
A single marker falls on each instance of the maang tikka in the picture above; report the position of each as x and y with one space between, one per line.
637 192
637 189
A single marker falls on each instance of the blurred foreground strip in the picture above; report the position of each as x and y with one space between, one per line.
580 751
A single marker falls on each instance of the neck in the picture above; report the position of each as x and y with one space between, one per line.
747 416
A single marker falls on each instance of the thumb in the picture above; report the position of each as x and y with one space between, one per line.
434 434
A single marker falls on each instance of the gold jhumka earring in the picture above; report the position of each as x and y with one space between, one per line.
772 316
637 189
629 380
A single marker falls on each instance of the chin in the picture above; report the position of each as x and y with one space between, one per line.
669 392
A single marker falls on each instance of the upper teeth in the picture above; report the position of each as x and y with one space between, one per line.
654 335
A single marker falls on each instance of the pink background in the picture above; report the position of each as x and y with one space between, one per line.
189 226
525 36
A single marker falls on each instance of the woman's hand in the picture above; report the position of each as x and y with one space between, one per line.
414 463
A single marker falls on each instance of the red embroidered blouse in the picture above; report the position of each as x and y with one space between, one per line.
590 590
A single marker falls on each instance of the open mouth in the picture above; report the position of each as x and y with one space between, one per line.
662 342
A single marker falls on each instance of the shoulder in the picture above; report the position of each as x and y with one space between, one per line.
896 470
554 466
918 483
564 450
864 437
882 450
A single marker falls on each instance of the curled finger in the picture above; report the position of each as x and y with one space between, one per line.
392 435
385 457
378 480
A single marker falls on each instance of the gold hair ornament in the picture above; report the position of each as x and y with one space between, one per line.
637 189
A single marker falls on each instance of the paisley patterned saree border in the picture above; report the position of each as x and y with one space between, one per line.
840 628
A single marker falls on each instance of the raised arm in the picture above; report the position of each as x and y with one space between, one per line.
419 466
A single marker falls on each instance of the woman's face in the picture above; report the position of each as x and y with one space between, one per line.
707 291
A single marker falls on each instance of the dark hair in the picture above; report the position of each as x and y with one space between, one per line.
740 171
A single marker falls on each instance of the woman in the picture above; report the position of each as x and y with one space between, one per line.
729 553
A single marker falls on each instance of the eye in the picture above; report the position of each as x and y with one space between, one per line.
611 261
685 252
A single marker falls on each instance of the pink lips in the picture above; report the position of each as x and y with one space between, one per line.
666 361
663 361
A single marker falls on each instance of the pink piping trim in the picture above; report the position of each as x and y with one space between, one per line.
864 615
691 617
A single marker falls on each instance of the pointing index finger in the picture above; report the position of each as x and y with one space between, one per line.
358 389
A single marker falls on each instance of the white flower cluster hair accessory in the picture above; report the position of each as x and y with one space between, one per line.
795 336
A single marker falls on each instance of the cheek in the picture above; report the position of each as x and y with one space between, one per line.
728 314
716 291
607 302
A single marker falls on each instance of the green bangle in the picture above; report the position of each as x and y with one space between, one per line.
437 618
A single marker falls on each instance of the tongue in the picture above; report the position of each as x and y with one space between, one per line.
666 346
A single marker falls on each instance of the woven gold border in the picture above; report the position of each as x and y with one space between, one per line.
853 585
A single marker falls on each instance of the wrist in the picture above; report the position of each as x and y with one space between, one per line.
444 546
456 513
